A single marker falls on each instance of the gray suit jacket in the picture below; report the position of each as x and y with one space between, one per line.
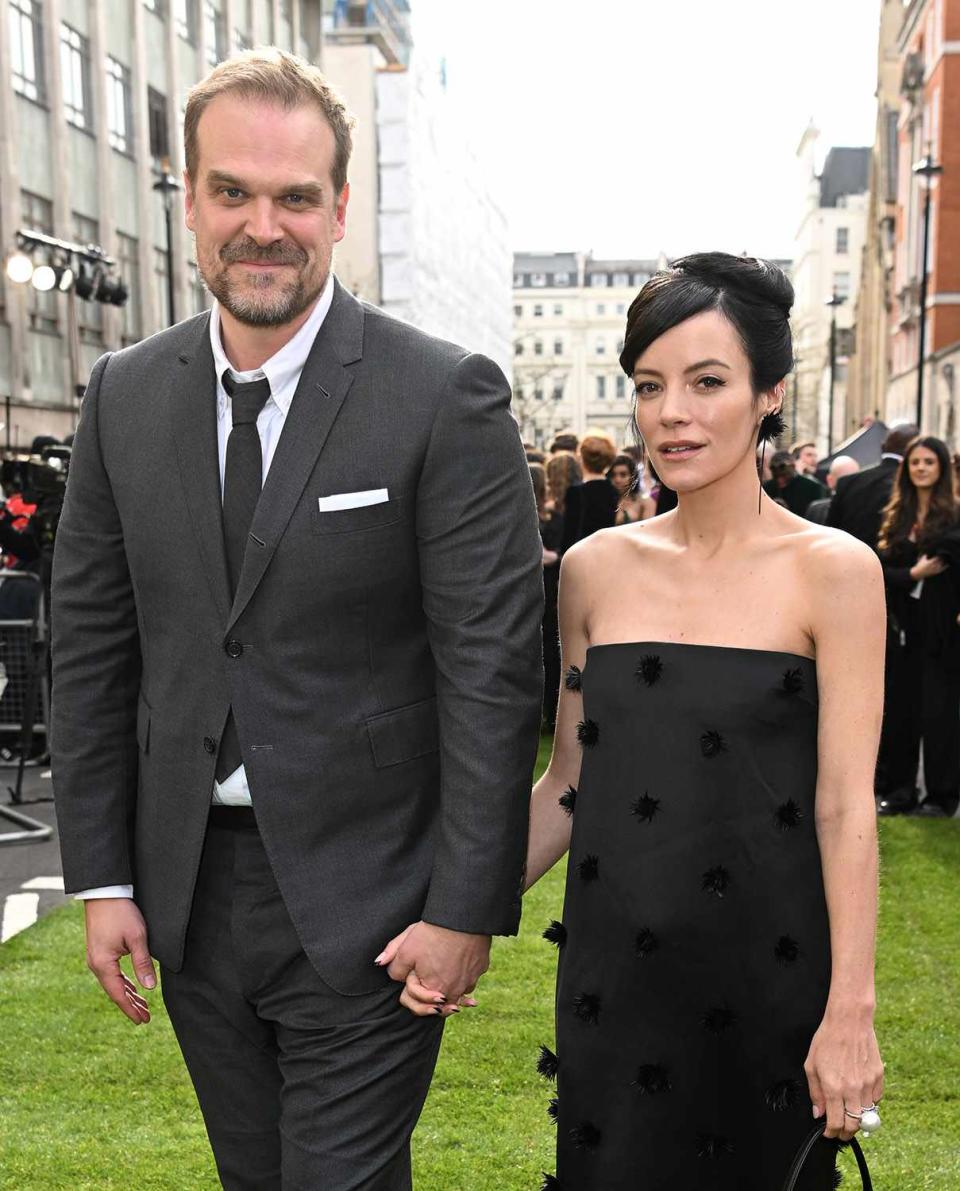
383 663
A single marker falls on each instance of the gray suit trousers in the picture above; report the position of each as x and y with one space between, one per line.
301 1088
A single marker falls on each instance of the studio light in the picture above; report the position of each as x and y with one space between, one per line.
65 278
84 283
44 278
19 268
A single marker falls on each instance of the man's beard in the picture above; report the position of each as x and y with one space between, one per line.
264 301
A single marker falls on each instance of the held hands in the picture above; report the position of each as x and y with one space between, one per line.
844 1071
436 966
927 567
115 927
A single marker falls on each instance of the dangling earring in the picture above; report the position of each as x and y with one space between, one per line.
772 426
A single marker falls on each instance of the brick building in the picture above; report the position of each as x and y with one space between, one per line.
928 124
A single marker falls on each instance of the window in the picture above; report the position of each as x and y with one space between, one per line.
558 347
214 33
119 112
561 279
538 393
600 346
26 49
157 121
621 308
621 386
518 348
621 279
538 279
518 312
538 311
538 347
37 216
641 279
128 265
558 391
843 240
619 346
598 280
161 289
841 285
90 312
75 72
517 277
601 387
601 309
558 309
185 19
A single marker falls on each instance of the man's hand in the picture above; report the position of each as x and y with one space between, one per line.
437 967
115 927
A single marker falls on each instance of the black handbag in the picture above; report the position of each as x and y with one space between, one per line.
803 1153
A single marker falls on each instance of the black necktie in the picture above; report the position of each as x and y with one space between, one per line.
242 480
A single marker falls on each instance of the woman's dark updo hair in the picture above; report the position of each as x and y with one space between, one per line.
754 295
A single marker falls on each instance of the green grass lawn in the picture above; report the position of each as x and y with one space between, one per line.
88 1103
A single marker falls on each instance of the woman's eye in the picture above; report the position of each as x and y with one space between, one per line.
645 388
711 382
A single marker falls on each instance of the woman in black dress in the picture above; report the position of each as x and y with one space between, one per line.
712 776
919 547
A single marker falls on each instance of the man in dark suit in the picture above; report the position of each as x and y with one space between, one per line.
859 500
290 722
857 507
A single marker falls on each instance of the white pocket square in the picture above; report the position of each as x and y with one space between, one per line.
352 500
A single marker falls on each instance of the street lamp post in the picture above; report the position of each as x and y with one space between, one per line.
927 168
833 302
167 185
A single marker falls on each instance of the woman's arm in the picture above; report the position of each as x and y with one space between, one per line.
844 590
549 822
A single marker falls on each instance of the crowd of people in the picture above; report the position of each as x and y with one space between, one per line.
906 507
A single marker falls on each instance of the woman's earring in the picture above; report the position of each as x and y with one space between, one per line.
772 426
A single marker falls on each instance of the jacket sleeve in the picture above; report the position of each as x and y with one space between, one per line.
838 506
96 669
481 574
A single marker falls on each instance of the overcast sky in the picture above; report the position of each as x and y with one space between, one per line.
631 126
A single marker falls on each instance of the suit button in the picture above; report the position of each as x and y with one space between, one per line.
234 649
209 744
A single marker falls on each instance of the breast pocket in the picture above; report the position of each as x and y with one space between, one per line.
351 520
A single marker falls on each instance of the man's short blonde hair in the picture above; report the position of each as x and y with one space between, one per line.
273 76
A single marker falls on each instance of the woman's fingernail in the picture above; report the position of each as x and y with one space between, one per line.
440 1000
816 1112
379 960
438 1009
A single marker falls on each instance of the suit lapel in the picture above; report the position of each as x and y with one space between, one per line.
323 387
193 401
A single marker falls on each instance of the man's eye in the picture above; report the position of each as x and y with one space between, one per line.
231 192
296 199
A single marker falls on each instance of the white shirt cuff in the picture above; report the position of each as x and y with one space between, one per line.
104 891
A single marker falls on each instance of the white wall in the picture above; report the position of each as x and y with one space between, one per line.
445 259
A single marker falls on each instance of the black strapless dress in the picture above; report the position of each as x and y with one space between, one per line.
694 949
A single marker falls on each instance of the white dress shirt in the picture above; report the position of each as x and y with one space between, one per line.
282 370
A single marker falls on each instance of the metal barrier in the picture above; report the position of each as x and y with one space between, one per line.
25 694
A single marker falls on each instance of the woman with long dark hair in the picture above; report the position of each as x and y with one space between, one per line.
712 777
635 504
919 546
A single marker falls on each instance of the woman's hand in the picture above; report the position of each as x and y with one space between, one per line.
844 1070
926 567
416 996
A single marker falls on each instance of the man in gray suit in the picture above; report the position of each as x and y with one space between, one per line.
290 722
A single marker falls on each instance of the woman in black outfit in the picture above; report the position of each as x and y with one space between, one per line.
712 777
919 547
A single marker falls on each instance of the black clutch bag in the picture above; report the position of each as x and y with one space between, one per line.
803 1153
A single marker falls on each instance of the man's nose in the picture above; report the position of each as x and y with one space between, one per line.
262 223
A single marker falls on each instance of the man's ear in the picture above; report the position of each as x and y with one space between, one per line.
189 212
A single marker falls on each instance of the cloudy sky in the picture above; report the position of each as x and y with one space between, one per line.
631 126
